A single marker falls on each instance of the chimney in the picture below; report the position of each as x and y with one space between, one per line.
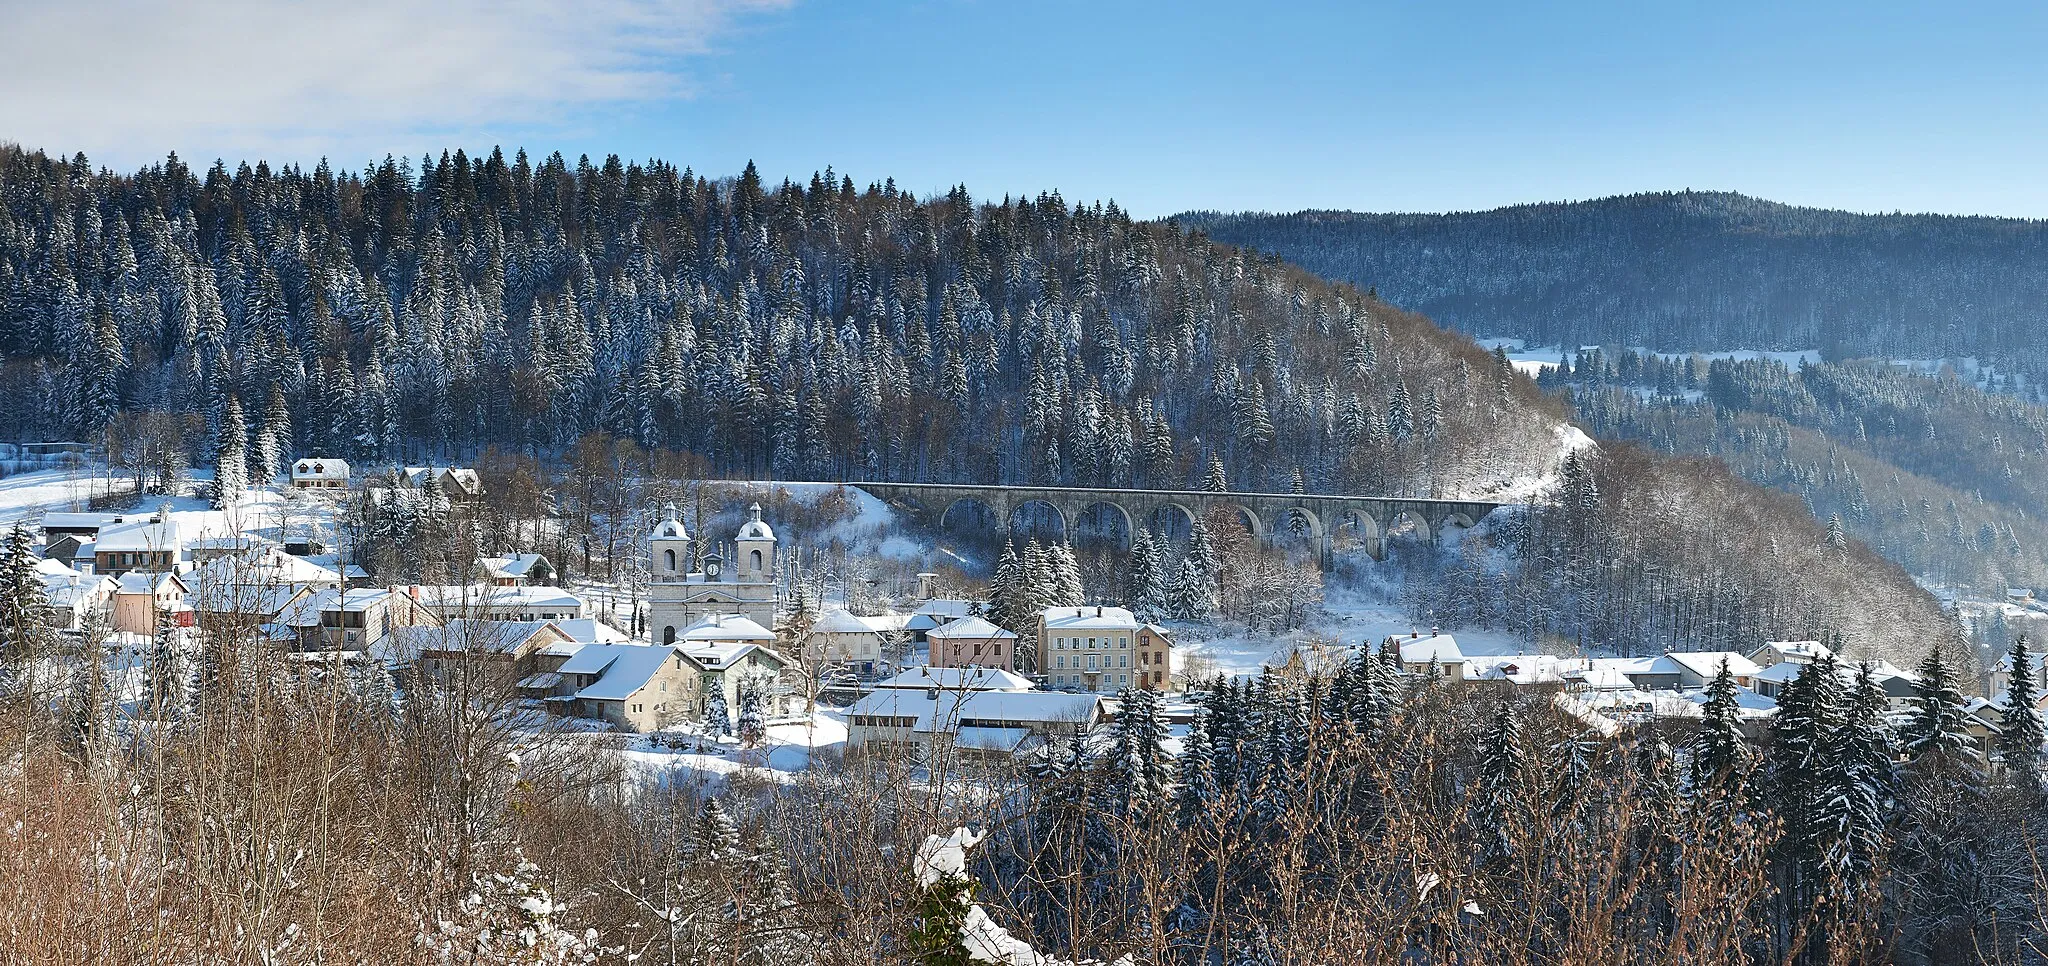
1434 632
1098 610
413 590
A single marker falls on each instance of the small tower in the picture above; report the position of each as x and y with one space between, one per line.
670 545
755 546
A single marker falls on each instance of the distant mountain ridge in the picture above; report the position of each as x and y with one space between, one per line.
1690 270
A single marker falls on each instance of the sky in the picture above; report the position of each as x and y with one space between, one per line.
1162 107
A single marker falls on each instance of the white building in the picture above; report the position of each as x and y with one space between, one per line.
1100 648
925 720
320 473
491 602
678 596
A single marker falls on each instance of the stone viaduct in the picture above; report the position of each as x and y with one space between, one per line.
1364 518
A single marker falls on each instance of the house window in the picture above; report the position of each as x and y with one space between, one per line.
999 649
668 559
1091 662
1059 660
755 557
1123 660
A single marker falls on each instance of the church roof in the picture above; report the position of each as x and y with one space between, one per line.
671 525
755 529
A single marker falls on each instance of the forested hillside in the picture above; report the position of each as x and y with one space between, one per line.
1691 271
827 331
818 331
1929 470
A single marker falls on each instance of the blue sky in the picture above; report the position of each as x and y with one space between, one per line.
1163 107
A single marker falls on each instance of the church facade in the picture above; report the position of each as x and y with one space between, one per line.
678 596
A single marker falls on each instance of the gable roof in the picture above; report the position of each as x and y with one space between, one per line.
947 709
1706 664
973 678
511 565
622 669
719 655
725 627
970 628
137 537
1440 648
481 636
320 468
1092 617
839 620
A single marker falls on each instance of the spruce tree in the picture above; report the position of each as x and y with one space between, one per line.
1500 808
1938 726
1214 481
231 457
2020 736
1720 756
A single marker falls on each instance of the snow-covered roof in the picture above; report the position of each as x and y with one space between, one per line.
671 525
589 630
137 537
320 468
265 565
487 597
725 627
77 521
1748 703
484 636
718 655
1092 617
839 620
923 678
511 565
1706 664
622 668
244 598
970 628
946 607
1438 648
72 588
1806 651
754 528
463 476
143 582
947 710
1516 668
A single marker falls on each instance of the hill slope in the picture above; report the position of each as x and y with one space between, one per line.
1691 271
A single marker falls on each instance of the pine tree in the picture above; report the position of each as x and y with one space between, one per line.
1196 793
231 457
273 439
1188 597
716 838
1214 481
2021 735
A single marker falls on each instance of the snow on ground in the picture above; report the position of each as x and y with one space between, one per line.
1534 359
873 527
787 750
1352 616
270 512
25 495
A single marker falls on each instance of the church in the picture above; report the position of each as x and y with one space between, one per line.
678 596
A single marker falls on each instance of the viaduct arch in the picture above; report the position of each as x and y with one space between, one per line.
1267 513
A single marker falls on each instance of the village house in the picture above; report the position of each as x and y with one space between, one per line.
84 526
1097 648
842 637
925 721
1687 670
355 620
973 640
925 677
515 570
678 596
1432 653
320 473
72 596
459 484
496 650
139 597
148 544
934 613
632 687
1772 653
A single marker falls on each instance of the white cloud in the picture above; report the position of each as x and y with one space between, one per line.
126 80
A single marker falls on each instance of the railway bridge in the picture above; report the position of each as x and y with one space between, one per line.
1367 518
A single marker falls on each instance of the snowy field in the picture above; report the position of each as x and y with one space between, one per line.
788 750
1535 359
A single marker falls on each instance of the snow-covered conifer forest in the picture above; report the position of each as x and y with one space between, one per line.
600 337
